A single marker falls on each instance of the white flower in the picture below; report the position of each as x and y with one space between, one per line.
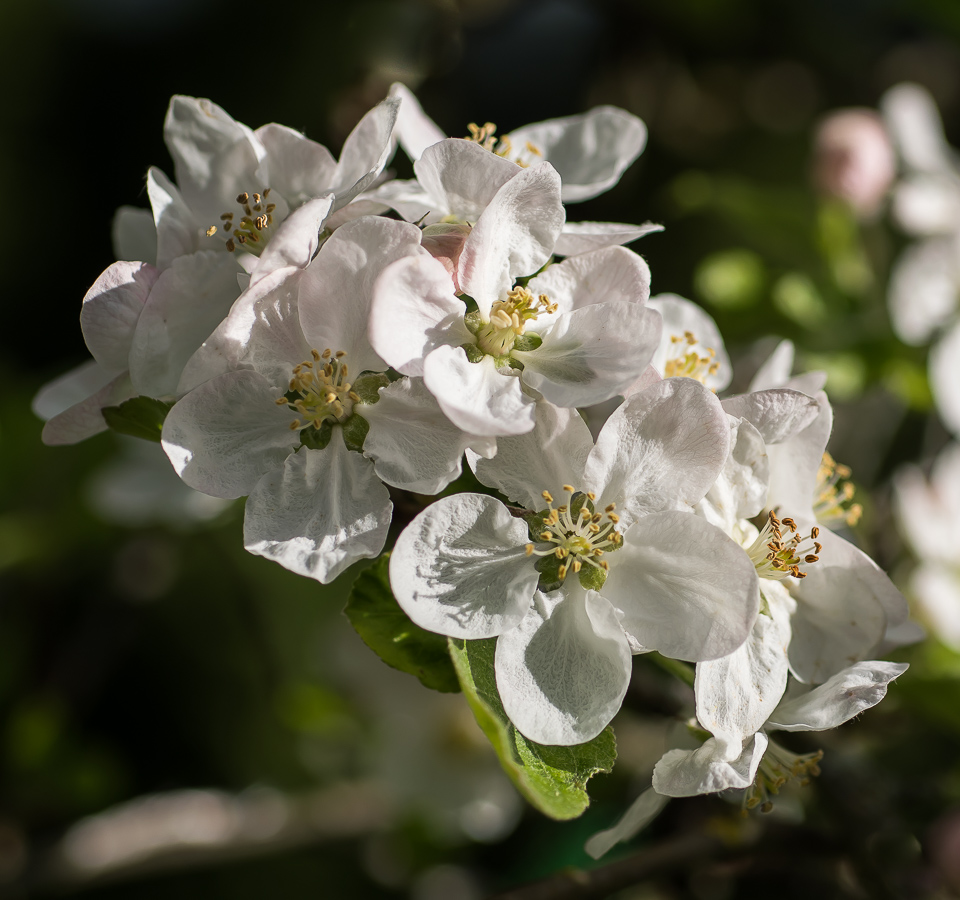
925 281
648 576
927 513
235 186
590 151
457 178
845 604
275 418
738 758
141 325
577 333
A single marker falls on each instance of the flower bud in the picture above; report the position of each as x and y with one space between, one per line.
854 159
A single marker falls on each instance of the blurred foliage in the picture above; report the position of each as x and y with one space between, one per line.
142 659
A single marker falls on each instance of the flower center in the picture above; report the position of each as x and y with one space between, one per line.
777 557
777 767
835 494
684 359
508 319
319 391
578 536
253 225
486 136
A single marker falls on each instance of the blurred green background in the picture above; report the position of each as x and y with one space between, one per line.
216 715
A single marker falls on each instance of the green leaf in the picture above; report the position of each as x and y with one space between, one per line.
386 629
367 387
553 779
355 431
140 417
317 438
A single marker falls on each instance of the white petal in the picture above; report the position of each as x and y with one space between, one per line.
601 276
937 592
544 459
186 304
681 316
778 414
133 235
914 122
639 814
261 332
775 369
926 511
944 377
591 354
686 773
408 198
225 435
927 204
662 449
299 169
683 587
838 700
461 177
178 233
366 151
476 396
84 418
590 151
922 293
296 240
563 672
321 512
736 693
415 311
740 492
214 156
415 129
581 237
336 291
459 568
69 388
794 465
110 312
513 237
414 446
841 611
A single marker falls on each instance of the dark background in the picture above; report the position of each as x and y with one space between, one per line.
139 658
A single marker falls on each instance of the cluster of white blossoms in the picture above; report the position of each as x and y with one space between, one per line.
322 334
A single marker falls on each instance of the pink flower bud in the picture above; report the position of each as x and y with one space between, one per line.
854 159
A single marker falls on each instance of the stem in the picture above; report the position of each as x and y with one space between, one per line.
681 670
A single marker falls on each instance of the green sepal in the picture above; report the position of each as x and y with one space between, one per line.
355 430
473 321
474 353
527 342
140 417
367 387
592 578
317 438
549 569
387 631
553 779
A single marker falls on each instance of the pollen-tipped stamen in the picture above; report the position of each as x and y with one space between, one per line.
577 539
781 551
319 393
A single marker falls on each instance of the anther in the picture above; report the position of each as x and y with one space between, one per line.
243 197
569 488
211 231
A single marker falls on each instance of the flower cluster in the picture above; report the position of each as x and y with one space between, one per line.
318 337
